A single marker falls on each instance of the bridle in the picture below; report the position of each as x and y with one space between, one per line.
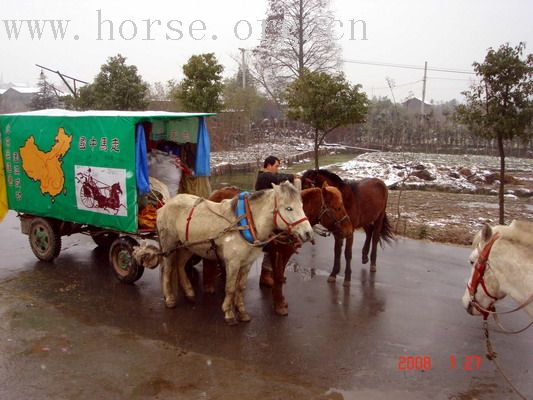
278 214
324 209
480 267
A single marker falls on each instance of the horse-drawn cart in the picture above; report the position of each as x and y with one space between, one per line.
68 172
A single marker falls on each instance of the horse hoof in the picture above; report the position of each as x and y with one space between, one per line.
244 317
373 268
282 311
346 284
190 299
170 303
364 260
231 321
331 279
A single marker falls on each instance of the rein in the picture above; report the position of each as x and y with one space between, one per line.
235 226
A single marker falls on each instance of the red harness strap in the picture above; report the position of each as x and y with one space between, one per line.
289 225
477 277
188 222
250 218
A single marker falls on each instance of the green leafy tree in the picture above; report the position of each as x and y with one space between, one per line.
118 86
247 99
46 97
325 102
500 106
201 89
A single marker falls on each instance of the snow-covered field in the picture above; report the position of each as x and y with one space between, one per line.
256 153
443 172
453 173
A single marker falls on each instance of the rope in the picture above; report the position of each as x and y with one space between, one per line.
506 331
491 355
523 305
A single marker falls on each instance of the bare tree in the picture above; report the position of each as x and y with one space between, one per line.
298 36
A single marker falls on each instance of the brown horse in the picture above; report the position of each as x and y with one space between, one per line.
366 203
321 205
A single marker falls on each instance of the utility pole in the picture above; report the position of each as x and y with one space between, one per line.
424 88
73 90
243 68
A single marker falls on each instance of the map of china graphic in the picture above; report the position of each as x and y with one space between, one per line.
45 167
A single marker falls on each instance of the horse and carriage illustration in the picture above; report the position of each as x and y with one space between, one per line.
98 194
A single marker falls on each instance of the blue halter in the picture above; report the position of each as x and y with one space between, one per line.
241 212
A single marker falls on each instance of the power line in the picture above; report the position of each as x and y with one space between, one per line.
405 66
449 79
398 85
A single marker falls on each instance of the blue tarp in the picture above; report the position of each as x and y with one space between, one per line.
143 183
203 151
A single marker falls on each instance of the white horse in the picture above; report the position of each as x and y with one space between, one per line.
190 221
502 262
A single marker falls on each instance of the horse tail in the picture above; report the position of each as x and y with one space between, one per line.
386 235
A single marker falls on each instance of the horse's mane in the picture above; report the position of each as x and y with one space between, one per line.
518 232
255 195
336 179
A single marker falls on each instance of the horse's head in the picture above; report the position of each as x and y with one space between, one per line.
115 188
333 215
309 178
288 212
483 289
317 177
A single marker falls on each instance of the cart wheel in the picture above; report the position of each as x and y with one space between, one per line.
86 198
121 259
104 239
45 240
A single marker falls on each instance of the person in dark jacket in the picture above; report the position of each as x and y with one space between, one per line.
265 178
269 174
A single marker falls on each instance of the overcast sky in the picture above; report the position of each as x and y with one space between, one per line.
445 33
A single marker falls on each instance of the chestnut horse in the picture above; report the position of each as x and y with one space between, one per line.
321 205
366 204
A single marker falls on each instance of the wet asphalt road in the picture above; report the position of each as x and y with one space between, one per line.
69 330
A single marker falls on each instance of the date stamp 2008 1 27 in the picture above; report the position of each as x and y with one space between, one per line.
424 363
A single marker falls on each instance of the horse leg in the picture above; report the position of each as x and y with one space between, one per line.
242 277
232 270
348 257
366 247
375 240
169 279
183 255
280 262
210 270
337 260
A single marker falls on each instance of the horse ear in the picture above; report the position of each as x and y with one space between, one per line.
486 232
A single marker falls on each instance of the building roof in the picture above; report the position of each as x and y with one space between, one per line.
110 113
415 100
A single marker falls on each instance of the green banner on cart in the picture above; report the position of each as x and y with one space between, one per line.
80 170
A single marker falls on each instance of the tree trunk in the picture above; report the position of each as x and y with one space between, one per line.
316 149
502 179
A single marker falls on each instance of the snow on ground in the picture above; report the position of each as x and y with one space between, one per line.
282 148
451 173
455 173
